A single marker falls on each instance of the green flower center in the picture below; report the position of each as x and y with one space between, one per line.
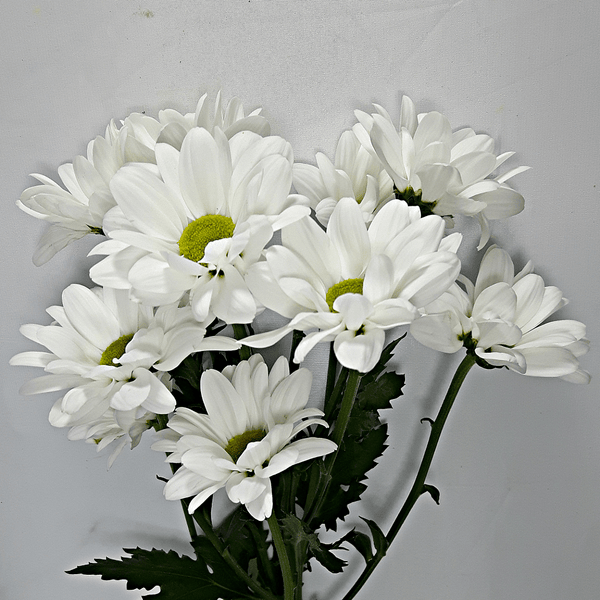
115 350
199 233
238 443
348 286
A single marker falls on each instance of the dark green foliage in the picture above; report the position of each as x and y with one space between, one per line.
179 577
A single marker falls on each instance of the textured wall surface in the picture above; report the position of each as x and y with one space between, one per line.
519 464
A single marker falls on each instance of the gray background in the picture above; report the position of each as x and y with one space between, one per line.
519 465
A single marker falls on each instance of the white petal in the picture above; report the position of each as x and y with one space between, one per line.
359 352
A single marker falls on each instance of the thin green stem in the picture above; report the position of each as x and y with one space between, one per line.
418 487
337 436
296 339
239 331
284 559
214 539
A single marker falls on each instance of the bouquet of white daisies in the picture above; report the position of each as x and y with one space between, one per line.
199 233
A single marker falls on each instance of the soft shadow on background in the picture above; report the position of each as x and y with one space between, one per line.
519 464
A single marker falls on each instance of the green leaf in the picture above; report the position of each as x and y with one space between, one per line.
296 533
378 394
179 577
379 540
362 542
432 491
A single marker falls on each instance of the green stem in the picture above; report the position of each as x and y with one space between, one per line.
337 436
418 487
239 331
220 547
297 337
284 559
331 371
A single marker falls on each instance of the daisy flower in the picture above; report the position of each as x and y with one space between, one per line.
500 318
442 172
245 438
78 208
354 174
352 283
112 355
199 226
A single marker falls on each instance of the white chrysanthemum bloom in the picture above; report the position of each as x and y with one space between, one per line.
199 226
230 118
245 438
354 174
500 319
352 282
111 353
442 172
78 208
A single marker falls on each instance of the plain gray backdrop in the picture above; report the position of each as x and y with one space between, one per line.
519 464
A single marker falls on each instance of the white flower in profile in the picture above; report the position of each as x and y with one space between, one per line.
352 283
200 227
78 208
246 437
354 174
112 355
500 318
442 172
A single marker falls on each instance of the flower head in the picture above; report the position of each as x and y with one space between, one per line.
78 208
443 172
245 438
354 174
112 355
500 318
199 222
352 282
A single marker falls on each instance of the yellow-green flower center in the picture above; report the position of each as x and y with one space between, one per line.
238 443
199 233
348 286
115 350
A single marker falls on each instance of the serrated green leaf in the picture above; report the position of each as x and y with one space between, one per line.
378 394
179 577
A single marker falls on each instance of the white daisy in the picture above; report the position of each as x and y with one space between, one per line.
112 355
499 318
202 225
352 282
246 436
78 208
442 172
354 174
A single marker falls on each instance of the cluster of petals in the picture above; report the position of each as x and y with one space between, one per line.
449 171
402 261
256 411
355 173
501 317
104 399
245 180
77 208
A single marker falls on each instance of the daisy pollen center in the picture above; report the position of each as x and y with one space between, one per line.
115 350
199 233
348 286
238 443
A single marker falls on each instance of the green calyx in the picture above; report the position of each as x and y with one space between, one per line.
348 286
238 443
115 351
199 233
